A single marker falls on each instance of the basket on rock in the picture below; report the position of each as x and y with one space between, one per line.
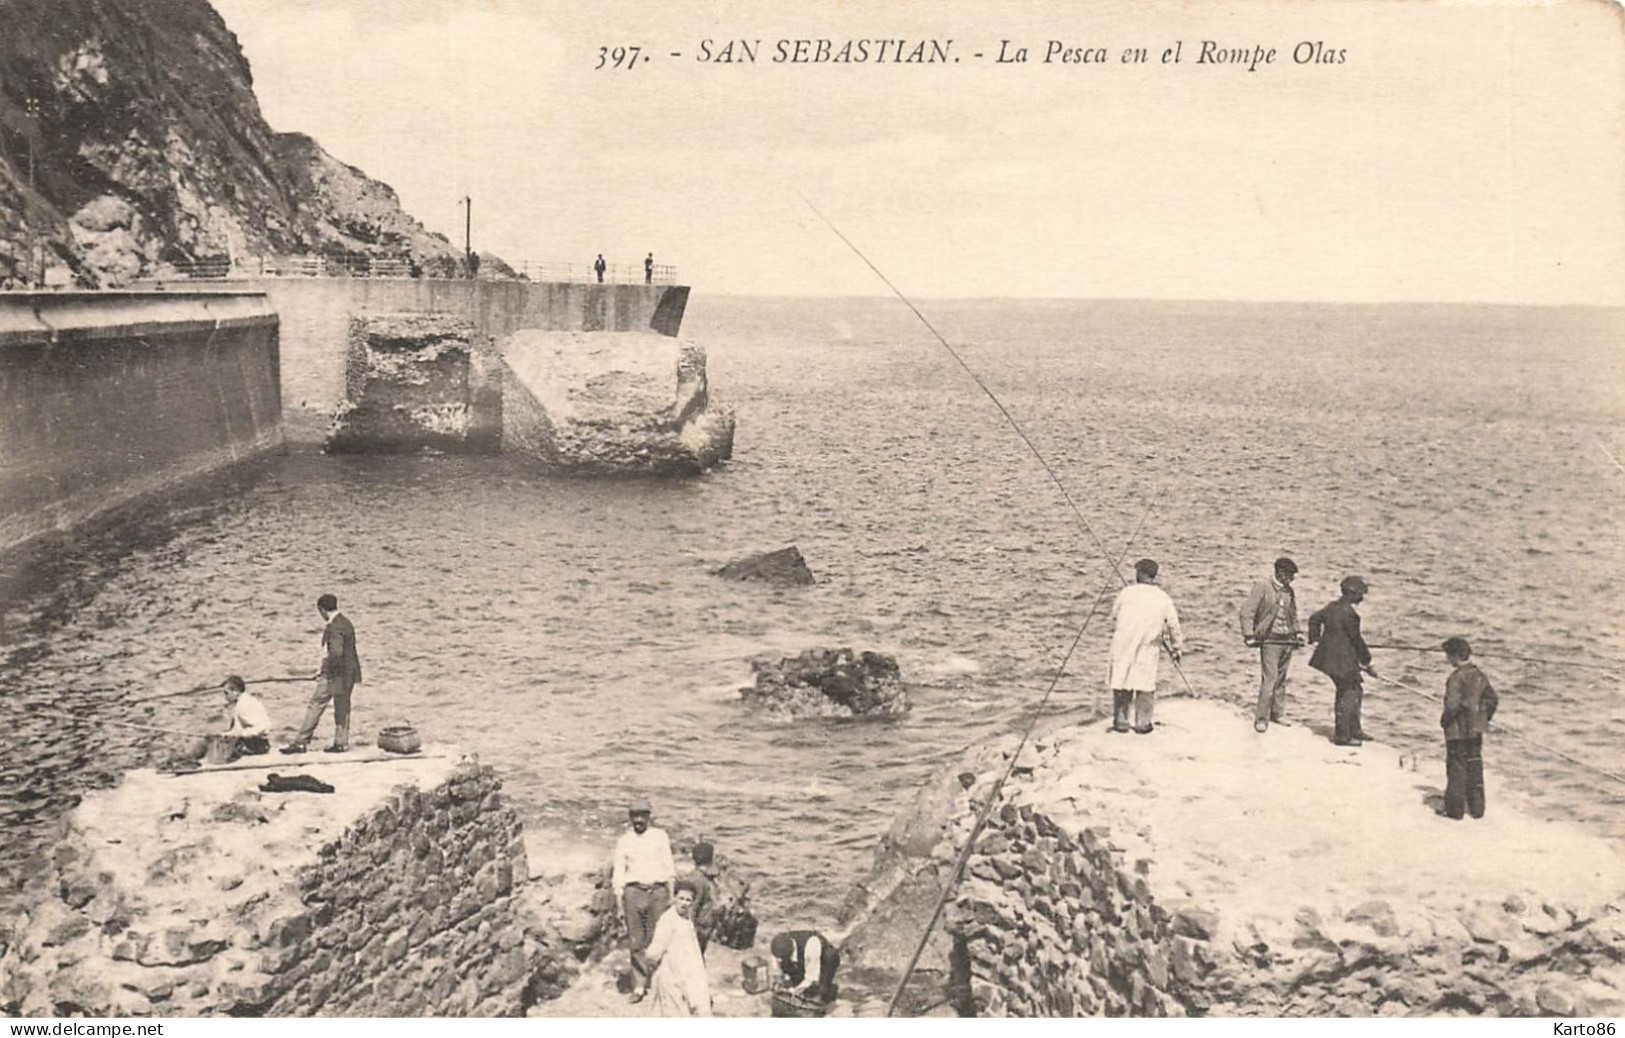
400 738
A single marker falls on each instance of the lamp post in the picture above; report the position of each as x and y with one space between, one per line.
36 260
468 232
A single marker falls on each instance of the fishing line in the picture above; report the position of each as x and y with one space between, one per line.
109 720
993 794
1054 478
219 685
1520 733
1606 668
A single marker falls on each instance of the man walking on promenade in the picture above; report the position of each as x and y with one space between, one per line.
1146 621
599 266
649 269
1469 704
1269 620
642 874
1341 654
340 674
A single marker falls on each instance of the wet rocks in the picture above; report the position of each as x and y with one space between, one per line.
828 683
414 381
784 567
612 402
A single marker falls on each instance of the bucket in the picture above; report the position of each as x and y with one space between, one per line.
220 749
400 738
753 975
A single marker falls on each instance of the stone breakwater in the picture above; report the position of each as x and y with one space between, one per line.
399 894
1208 870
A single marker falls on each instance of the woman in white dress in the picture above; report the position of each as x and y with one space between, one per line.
680 986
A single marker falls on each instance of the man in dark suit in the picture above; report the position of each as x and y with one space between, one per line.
1469 705
340 674
1341 654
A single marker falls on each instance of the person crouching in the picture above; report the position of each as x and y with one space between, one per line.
249 727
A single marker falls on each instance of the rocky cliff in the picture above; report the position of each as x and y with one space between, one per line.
147 147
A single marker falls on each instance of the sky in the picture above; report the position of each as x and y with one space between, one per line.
1463 152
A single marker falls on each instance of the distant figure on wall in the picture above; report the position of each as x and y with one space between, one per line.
599 266
649 269
473 266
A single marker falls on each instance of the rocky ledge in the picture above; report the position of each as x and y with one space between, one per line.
612 402
399 893
1209 870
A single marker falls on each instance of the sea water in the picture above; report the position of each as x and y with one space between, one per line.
569 632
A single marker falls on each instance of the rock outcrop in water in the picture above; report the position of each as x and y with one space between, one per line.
784 567
612 402
418 380
1209 871
828 683
150 149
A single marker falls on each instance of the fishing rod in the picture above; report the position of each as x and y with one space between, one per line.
1606 668
219 685
1520 733
998 785
121 724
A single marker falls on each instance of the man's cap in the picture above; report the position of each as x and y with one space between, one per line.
1284 563
1458 648
639 806
1146 566
1354 585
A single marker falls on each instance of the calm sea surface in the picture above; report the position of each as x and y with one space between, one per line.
568 631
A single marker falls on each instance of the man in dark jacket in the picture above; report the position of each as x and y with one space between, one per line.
340 674
1469 704
1341 654
807 961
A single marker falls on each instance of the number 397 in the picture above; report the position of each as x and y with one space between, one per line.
618 57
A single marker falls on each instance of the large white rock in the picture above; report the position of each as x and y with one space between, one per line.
612 402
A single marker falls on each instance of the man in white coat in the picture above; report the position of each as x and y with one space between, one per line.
1146 622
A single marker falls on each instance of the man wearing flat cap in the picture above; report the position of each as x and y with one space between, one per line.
642 874
1269 621
1341 654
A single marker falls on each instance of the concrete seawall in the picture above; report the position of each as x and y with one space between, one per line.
316 316
107 397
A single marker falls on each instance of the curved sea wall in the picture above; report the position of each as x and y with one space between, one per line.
108 397
399 893
1207 870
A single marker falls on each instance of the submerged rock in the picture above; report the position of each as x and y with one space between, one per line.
615 402
785 567
828 683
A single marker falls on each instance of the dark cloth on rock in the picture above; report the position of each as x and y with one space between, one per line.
275 783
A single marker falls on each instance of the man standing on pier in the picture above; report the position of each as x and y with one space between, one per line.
1146 622
649 269
1341 654
1469 704
1269 620
642 873
340 674
599 266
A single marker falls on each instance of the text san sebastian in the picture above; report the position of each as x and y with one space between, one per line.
824 51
